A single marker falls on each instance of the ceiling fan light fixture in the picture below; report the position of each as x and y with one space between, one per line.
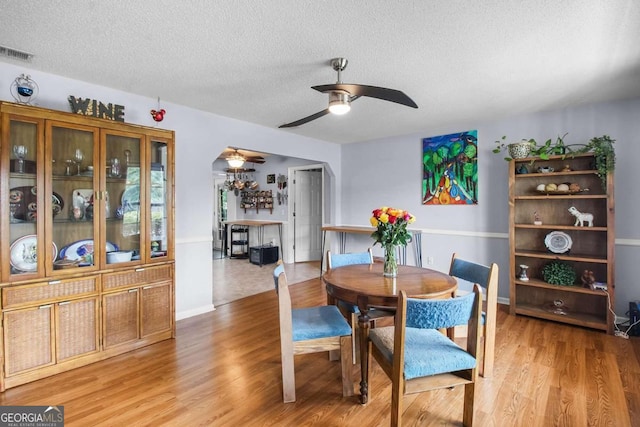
235 161
339 103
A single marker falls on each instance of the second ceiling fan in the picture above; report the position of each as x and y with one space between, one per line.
341 95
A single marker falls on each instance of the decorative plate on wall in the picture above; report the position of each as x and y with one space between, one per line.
558 242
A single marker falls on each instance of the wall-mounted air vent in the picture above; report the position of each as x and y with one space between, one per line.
15 54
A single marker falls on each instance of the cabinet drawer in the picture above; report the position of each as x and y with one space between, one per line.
138 276
37 293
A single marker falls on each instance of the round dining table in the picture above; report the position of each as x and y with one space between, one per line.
364 285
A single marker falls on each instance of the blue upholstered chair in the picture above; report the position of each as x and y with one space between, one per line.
350 311
487 278
418 357
310 330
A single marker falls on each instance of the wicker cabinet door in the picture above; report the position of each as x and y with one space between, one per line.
28 340
120 317
156 309
76 328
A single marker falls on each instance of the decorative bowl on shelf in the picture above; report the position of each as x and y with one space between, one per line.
119 256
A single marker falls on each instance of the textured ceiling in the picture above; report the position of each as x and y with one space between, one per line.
255 61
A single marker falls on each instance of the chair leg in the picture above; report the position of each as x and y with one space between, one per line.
354 335
488 355
346 366
288 378
469 396
397 394
396 405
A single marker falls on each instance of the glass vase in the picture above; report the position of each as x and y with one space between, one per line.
390 268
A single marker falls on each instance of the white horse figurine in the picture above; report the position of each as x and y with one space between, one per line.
581 218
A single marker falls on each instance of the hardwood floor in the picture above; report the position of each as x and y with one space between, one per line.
223 369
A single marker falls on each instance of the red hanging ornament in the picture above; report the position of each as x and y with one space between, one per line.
158 115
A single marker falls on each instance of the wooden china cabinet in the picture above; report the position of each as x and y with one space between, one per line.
87 240
543 230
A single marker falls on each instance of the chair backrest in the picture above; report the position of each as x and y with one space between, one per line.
340 260
439 313
485 276
284 303
436 314
276 276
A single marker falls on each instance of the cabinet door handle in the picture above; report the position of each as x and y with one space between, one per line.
133 290
64 303
55 282
44 306
139 270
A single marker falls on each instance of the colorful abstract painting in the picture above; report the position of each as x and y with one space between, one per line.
450 169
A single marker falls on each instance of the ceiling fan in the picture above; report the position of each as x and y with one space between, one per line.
236 157
341 95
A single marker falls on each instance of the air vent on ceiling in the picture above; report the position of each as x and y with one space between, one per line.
15 54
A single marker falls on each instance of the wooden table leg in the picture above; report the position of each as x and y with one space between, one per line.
363 323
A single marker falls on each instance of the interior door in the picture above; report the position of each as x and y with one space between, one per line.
307 215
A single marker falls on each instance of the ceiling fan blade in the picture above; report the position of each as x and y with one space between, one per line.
306 119
258 160
383 93
313 116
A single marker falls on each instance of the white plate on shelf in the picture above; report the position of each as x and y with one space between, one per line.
24 253
558 242
80 249
130 198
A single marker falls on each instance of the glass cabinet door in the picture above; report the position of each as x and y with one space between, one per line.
160 199
124 222
24 211
72 193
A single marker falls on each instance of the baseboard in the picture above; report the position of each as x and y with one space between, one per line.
194 312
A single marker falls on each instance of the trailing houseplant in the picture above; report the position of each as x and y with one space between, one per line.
548 148
516 150
601 147
604 154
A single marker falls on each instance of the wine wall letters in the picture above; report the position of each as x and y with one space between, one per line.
94 108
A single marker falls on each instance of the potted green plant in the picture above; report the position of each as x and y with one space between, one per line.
604 154
517 150
550 148
601 147
531 148
559 273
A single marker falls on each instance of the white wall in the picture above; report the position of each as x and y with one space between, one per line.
392 177
200 138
